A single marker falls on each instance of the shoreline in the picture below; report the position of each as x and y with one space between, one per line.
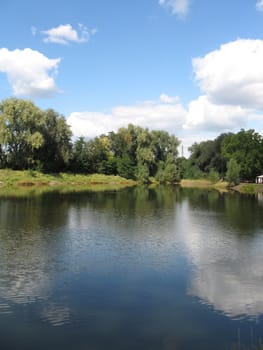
11 180
223 186
34 182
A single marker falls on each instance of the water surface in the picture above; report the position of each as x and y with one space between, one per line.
164 268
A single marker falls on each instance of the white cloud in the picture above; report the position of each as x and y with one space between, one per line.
29 72
65 33
231 84
259 5
166 114
231 80
233 75
202 114
177 7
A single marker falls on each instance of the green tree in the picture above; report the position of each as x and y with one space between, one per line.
126 167
233 172
165 149
246 147
32 138
56 151
213 176
168 173
98 151
207 155
2 158
181 164
80 159
142 173
21 125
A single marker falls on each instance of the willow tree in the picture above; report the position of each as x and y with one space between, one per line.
30 137
56 152
21 123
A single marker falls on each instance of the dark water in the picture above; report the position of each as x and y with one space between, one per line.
137 269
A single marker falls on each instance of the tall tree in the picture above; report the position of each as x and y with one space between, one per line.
21 125
246 148
233 172
80 160
56 152
30 137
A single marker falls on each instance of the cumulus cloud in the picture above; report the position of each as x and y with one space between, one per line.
177 7
231 97
65 33
29 72
259 5
166 114
231 80
202 114
233 75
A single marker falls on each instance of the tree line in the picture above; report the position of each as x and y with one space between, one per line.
31 138
234 156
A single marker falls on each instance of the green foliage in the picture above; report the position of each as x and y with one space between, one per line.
139 151
181 164
207 155
80 160
193 172
142 173
233 172
213 176
171 173
168 173
41 140
125 167
209 158
109 167
57 151
132 152
246 148
30 137
21 124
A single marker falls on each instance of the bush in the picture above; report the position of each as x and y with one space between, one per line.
213 176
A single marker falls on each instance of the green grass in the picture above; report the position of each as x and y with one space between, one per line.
245 188
203 183
249 188
12 181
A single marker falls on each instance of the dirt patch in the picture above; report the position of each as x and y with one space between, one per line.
26 183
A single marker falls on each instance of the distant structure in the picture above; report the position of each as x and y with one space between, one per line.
182 154
259 179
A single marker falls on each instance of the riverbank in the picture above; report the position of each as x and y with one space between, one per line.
202 183
34 180
249 188
223 186
30 178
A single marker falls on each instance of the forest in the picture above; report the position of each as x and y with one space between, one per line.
31 138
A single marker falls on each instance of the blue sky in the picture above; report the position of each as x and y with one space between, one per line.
191 67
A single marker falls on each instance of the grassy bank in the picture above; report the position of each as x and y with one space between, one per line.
34 181
249 188
246 188
11 179
202 183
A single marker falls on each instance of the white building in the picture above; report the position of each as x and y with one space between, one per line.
259 179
